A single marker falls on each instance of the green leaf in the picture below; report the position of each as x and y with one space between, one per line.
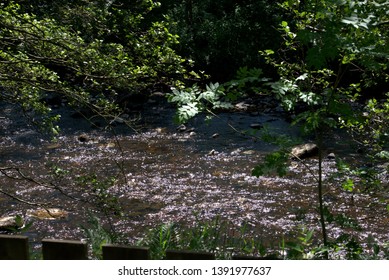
383 155
19 221
302 77
348 185
310 98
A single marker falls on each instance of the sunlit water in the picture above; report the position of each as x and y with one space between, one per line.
168 175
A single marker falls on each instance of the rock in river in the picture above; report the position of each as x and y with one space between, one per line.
48 213
304 151
10 222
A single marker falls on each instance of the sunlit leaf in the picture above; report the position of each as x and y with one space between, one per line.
348 185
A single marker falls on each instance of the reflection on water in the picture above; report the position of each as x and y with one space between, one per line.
165 175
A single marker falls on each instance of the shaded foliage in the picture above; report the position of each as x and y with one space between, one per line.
222 36
90 53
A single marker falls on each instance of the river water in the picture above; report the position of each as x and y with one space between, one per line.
165 173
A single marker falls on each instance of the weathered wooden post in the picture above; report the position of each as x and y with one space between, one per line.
64 250
14 247
188 255
120 252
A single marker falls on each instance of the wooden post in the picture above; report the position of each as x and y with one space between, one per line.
188 255
14 247
118 252
64 250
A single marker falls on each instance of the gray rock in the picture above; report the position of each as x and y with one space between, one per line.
161 130
331 156
242 106
83 138
305 151
8 222
256 126
181 128
249 152
158 94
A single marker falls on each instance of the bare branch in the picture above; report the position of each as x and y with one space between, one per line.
40 204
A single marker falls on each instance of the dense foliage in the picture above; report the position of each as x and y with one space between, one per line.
334 54
222 36
85 53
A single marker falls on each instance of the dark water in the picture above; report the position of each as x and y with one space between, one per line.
168 175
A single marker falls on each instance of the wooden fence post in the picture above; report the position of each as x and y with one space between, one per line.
188 255
118 252
14 247
64 250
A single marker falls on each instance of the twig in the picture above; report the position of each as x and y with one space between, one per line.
22 200
230 125
306 166
29 179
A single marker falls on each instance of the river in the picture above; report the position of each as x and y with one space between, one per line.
164 173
